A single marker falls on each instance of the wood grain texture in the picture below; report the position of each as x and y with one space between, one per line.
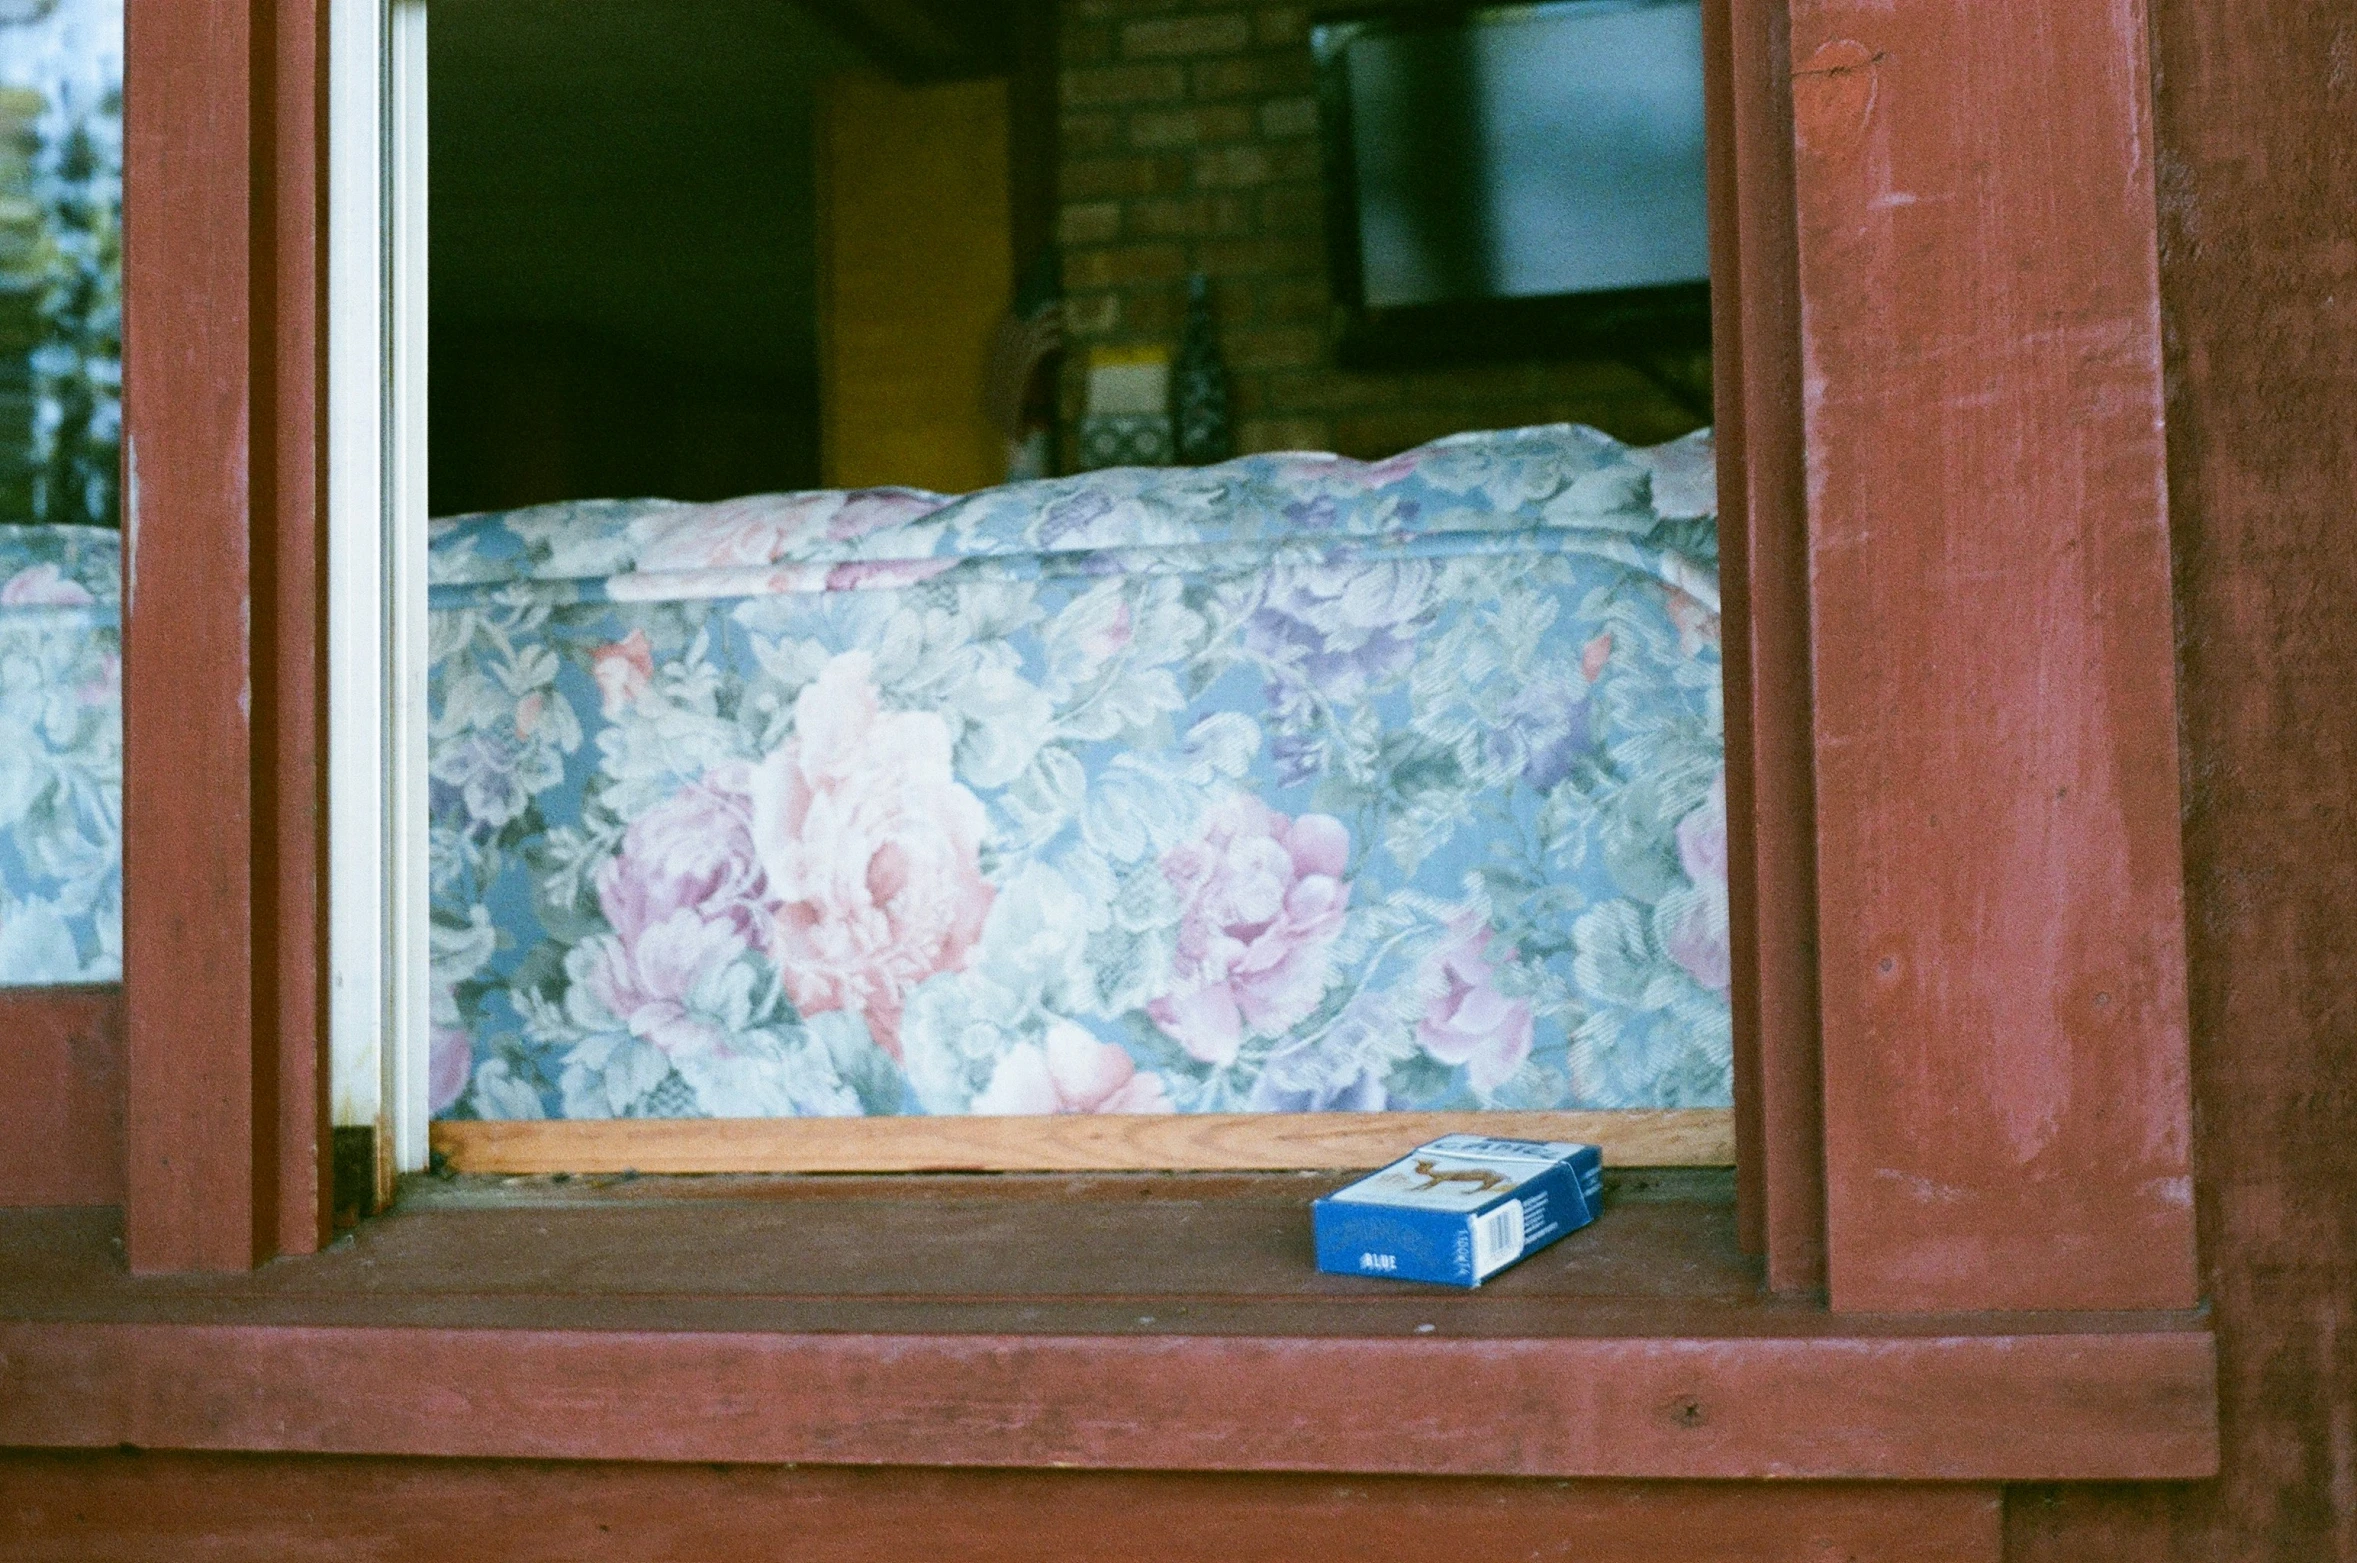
291 1106
2066 1407
1763 585
2001 907
1776 841
1124 1254
2258 178
193 1190
223 631
61 1113
1073 1143
1726 338
1134 1322
117 1508
223 770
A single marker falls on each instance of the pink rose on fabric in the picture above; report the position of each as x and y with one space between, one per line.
451 1061
872 850
1304 468
1112 637
44 586
1261 897
766 528
685 896
1392 468
692 852
866 510
623 670
1073 1073
864 573
107 687
646 982
1697 622
1469 1021
753 531
1700 942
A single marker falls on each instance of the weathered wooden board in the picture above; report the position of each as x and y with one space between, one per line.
1764 586
2258 175
1960 1408
2001 908
80 1508
292 1150
194 1192
223 779
1076 1143
1165 1321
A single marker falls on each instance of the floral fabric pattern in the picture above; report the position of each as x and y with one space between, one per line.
61 756
1290 784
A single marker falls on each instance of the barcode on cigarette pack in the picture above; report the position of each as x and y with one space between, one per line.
1497 1238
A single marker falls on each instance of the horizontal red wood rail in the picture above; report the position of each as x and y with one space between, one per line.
2135 1404
1147 1321
82 1505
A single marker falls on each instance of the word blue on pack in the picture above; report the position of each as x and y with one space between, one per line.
1459 1209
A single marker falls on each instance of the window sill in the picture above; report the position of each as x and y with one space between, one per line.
1162 1322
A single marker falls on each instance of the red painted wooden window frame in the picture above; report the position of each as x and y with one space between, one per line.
1962 1074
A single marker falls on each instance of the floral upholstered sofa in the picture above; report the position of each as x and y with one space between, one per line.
1294 783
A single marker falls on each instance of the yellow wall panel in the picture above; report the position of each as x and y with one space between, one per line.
914 273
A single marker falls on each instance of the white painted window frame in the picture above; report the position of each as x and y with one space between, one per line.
379 956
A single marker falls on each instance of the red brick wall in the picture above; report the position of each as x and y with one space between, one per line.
1190 142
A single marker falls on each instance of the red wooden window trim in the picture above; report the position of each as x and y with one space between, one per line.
1950 713
2006 1057
1109 1322
75 1505
228 1094
223 770
1764 589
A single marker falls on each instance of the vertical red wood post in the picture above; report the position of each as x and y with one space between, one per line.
292 757
2003 962
188 807
1727 433
212 840
1764 584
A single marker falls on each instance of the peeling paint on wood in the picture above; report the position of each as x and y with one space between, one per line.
2001 893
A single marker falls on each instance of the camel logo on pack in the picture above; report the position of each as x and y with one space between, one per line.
1482 1179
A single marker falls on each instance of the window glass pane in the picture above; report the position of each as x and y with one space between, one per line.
61 211
1294 784
61 206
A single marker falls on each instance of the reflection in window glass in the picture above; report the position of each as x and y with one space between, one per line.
61 301
61 374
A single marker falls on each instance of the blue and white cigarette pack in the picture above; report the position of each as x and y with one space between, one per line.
1459 1209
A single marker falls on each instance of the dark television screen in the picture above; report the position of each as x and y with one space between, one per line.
1528 153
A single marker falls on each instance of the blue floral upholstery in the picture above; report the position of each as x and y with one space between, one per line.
1294 783
61 756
